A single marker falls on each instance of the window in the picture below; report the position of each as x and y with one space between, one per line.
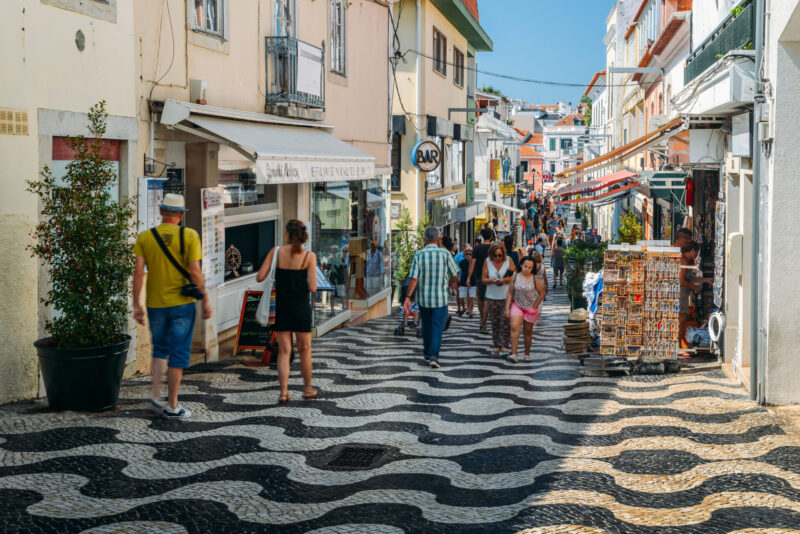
338 36
552 143
439 52
434 179
208 16
396 162
285 15
458 67
566 144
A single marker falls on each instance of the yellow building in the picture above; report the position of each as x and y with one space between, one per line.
435 82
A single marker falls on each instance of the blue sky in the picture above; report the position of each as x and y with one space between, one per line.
558 40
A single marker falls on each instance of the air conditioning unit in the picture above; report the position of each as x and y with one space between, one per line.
655 122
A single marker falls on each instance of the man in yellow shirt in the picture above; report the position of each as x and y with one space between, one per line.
170 312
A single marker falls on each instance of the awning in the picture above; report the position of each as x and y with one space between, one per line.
612 195
501 206
594 185
283 152
667 185
625 151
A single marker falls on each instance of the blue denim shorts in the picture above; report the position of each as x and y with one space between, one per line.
172 330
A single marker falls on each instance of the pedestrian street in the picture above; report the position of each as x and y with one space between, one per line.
390 445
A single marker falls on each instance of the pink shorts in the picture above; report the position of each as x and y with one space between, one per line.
529 315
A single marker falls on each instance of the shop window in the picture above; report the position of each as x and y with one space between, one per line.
396 162
435 179
458 67
439 52
350 239
208 17
253 241
338 36
242 191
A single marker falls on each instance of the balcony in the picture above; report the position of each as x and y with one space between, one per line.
734 33
295 77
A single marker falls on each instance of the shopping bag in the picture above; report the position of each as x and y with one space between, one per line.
265 313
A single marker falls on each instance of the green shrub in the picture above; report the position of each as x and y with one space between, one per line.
84 239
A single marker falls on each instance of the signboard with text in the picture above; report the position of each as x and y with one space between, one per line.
212 213
507 190
151 193
495 169
426 156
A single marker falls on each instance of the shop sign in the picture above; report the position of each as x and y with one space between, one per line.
507 190
212 213
395 210
426 156
151 193
282 171
495 169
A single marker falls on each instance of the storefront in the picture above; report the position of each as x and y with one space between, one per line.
270 170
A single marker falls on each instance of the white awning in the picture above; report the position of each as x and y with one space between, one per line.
285 153
501 206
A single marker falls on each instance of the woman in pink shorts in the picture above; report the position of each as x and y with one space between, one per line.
525 294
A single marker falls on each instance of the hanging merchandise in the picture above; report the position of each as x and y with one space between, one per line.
719 251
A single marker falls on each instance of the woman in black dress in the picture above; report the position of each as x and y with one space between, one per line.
295 280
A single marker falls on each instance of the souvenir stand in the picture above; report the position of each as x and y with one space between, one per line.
639 312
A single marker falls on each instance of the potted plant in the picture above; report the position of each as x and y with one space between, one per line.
84 240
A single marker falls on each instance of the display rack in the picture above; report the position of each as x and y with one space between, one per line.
639 314
719 250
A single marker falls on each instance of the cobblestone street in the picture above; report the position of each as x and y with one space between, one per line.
480 445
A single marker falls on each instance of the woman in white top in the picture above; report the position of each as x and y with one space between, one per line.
498 272
525 294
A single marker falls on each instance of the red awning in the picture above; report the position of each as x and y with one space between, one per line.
594 185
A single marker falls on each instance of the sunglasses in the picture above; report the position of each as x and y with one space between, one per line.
498 255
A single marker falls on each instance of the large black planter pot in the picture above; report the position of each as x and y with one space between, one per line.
82 379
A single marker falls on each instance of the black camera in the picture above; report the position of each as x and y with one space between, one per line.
191 290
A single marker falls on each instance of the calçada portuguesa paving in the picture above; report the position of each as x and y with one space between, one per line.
481 445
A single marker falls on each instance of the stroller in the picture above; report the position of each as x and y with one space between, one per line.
404 317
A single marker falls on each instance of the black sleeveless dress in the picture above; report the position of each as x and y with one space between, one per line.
292 300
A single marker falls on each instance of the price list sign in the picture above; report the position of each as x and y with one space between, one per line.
212 207
151 193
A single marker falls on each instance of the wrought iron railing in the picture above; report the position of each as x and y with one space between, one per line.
295 72
734 33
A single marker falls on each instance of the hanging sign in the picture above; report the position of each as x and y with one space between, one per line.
507 190
212 213
495 169
426 156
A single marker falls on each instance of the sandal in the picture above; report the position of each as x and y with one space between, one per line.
311 395
283 399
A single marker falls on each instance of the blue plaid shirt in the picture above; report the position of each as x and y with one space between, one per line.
432 267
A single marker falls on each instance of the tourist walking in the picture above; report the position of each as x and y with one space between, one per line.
295 280
508 244
541 272
497 274
558 262
466 291
171 253
479 255
432 270
525 294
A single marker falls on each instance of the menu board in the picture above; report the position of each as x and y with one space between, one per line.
250 335
212 212
151 193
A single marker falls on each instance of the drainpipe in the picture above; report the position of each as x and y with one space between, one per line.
756 356
420 202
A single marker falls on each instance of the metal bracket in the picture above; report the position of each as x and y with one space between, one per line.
150 166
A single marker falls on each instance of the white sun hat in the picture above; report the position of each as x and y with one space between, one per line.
173 202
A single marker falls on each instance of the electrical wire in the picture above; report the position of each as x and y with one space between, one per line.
158 49
511 76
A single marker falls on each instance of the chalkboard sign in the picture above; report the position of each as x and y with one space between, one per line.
250 335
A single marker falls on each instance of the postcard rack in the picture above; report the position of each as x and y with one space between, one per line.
639 314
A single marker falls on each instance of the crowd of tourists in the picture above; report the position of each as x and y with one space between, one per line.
503 285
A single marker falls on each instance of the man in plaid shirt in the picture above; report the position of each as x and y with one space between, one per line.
432 271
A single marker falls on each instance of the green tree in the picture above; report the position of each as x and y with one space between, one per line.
587 112
84 240
406 241
630 230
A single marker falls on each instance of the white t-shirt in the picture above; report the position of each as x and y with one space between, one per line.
494 291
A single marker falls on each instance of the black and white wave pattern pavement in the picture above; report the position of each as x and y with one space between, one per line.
481 445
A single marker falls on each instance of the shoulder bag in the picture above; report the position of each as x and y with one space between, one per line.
190 289
265 313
